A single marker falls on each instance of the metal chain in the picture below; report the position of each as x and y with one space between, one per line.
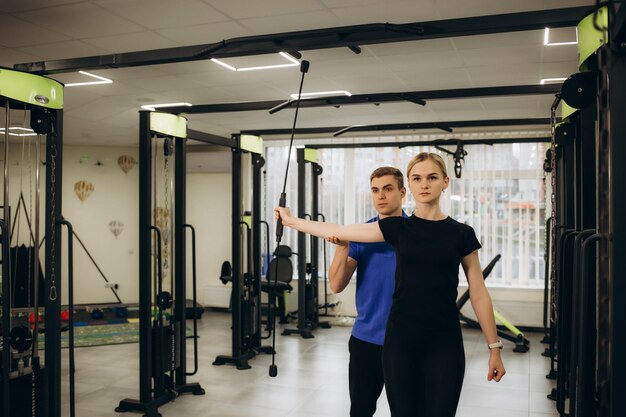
553 309
52 239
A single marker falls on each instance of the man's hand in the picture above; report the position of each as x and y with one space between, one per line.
335 240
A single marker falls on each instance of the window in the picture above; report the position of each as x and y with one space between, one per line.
501 195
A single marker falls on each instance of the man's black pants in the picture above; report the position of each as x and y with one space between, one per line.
365 376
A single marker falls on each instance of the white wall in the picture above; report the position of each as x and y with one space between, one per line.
522 307
209 211
115 197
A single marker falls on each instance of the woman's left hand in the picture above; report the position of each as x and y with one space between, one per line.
496 367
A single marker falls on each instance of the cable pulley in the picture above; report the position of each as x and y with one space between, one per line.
21 338
164 300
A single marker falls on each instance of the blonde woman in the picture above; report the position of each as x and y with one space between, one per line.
423 356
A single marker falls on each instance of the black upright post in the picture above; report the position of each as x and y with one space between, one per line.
617 224
6 321
149 398
257 164
587 173
302 307
314 246
54 191
307 293
303 328
315 253
236 249
180 253
145 259
240 353
180 270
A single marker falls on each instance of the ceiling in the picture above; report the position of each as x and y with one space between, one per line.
43 30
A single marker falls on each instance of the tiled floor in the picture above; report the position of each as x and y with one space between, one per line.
312 379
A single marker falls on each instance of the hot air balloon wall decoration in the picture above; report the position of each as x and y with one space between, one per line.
126 163
83 189
116 227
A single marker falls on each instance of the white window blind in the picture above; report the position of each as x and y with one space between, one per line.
501 194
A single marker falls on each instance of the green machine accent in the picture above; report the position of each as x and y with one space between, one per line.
31 89
311 155
566 110
591 39
252 144
168 124
247 219
499 317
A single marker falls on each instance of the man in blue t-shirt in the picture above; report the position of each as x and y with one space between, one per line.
375 264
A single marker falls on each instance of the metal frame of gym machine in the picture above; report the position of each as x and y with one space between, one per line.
308 293
587 340
246 331
155 386
575 220
611 372
33 92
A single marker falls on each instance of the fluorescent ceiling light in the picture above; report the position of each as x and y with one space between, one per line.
293 62
102 80
552 80
546 39
153 107
322 93
29 132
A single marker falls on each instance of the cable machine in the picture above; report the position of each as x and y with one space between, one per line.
246 286
587 309
308 288
162 273
30 387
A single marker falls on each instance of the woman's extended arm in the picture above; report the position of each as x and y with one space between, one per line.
365 232
481 303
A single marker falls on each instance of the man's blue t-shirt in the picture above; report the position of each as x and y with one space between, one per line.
375 280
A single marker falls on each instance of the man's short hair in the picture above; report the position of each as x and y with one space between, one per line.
383 171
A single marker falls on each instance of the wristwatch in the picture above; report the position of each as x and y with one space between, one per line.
496 345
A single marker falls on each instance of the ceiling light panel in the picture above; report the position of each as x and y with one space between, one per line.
263 63
322 94
552 80
153 107
550 38
99 80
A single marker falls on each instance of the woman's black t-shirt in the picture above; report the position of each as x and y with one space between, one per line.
428 255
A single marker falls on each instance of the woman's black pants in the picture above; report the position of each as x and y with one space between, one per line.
423 370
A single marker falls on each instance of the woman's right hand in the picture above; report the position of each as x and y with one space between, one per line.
282 213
